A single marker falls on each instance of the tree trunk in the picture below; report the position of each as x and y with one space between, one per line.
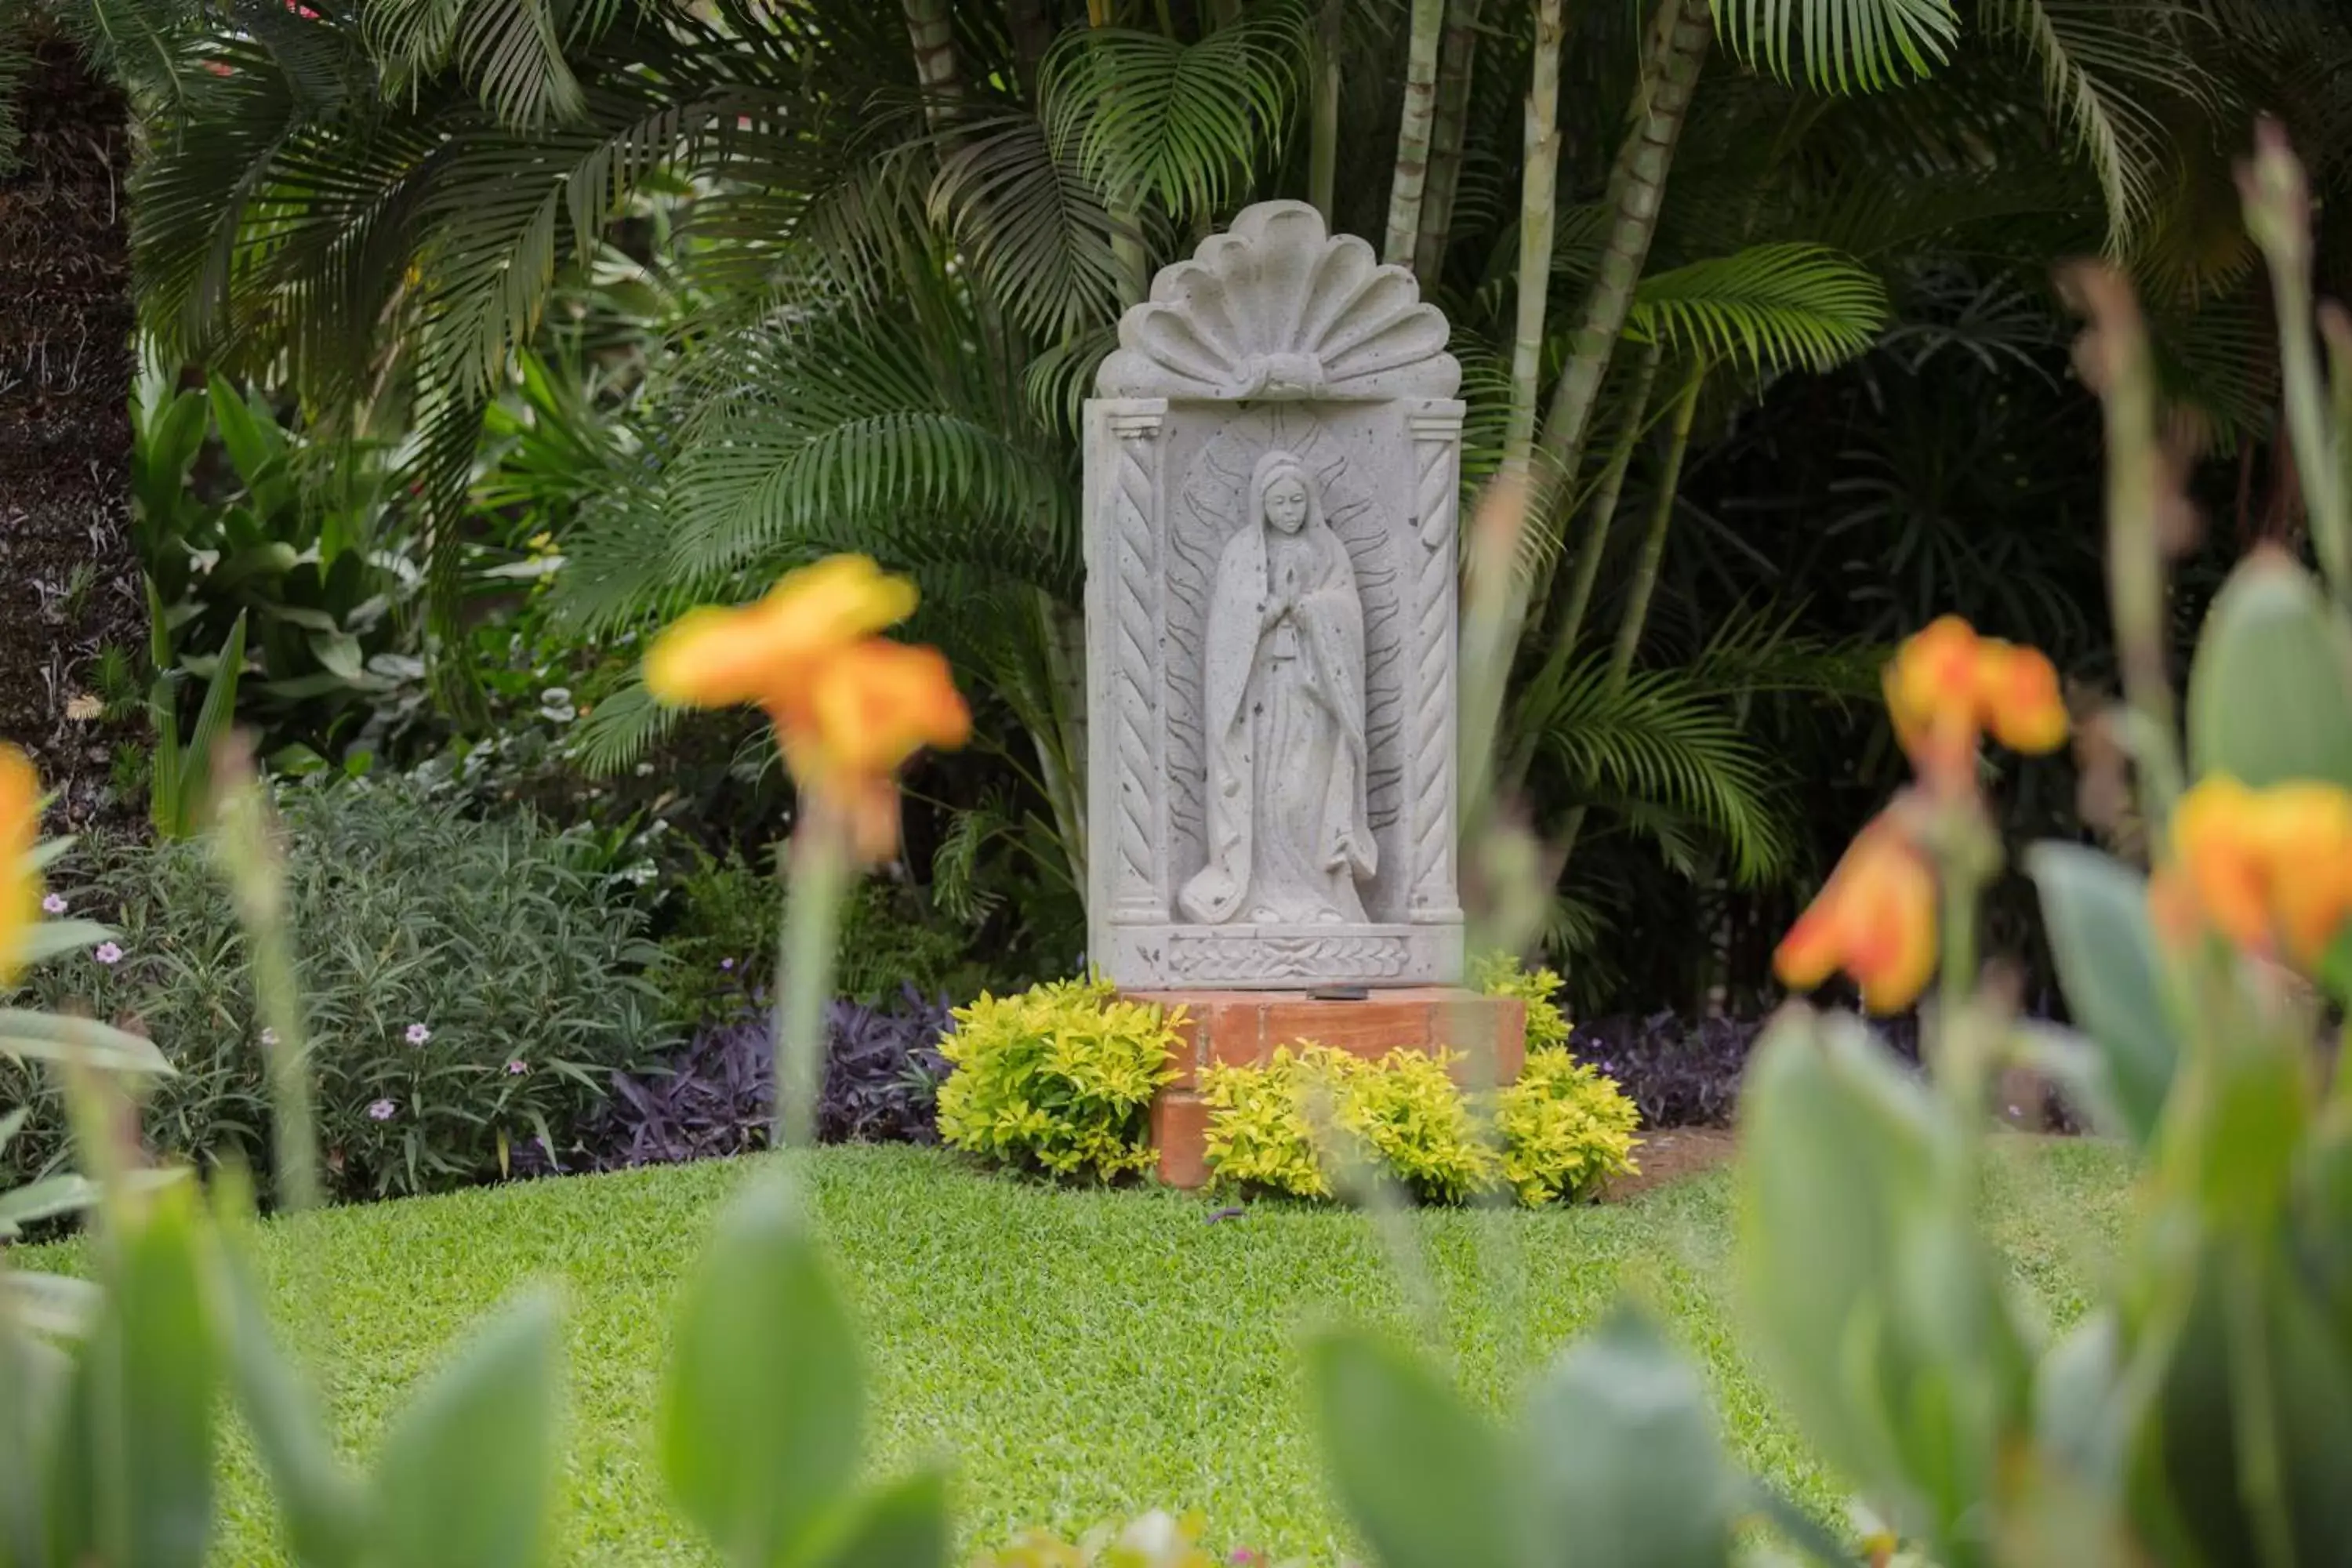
69 579
1637 186
1456 60
1414 122
1031 25
930 29
1594 546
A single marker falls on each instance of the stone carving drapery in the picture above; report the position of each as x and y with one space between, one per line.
1273 462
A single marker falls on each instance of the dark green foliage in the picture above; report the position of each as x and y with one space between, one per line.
490 935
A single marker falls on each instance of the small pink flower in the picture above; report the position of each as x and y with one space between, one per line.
220 68
381 1111
725 963
516 1068
418 1034
54 904
107 952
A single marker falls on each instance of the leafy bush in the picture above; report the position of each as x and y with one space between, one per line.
1554 1134
1057 1079
1500 974
717 1095
1678 1072
470 989
1563 1129
724 932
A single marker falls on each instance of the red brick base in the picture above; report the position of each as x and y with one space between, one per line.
1242 1028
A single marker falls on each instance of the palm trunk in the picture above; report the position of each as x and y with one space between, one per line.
1323 148
1413 125
1645 578
930 29
1637 187
1031 27
1456 60
69 579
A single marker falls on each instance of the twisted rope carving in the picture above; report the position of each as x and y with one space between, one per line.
1435 503
1132 496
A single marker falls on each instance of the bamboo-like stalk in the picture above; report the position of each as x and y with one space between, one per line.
1569 626
1645 576
1323 144
1637 186
1538 183
1414 122
930 30
1457 58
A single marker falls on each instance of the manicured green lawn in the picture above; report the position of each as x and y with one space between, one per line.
1080 1355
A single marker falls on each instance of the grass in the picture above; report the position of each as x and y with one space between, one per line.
1080 1355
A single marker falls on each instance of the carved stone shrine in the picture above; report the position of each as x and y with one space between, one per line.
1272 466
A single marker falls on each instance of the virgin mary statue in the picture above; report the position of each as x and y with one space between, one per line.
1284 719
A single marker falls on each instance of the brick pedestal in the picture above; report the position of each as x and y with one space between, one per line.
1242 1028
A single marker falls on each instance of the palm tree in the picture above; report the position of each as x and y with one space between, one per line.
69 580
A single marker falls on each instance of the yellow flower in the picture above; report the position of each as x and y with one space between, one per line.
1874 919
2269 869
20 879
1948 686
767 652
849 708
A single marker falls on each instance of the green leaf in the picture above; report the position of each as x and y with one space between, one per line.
1841 46
255 446
2095 911
53 1037
1425 1479
146 1491
44 1199
466 1473
324 1507
2270 697
32 1375
1770 307
760 1412
902 1525
213 722
1628 1471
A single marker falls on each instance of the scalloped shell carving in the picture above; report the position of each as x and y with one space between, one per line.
1279 308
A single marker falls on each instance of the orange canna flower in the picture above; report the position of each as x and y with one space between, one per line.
20 879
849 708
2269 869
1874 919
767 652
1947 687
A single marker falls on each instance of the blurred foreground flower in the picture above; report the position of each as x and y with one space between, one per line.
850 708
20 879
1946 687
2269 869
1874 919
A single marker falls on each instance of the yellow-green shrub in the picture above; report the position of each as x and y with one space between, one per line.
1563 1128
1420 1127
1500 974
1262 1120
1058 1078
1554 1134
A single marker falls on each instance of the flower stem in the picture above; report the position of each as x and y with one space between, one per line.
818 875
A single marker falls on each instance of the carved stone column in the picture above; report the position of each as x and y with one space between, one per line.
1437 428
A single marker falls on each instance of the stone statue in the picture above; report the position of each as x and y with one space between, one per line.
1273 478
1288 829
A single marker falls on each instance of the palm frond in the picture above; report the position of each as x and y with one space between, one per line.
1660 742
2095 57
1150 118
1841 46
1771 307
1040 236
510 51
